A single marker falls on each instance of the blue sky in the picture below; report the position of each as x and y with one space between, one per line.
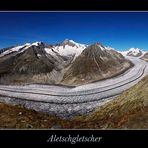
120 30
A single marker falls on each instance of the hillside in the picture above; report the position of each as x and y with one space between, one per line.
145 57
129 110
30 64
95 63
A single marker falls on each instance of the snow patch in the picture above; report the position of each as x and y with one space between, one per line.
102 48
15 49
69 50
78 44
49 51
36 43
39 55
124 53
109 48
27 44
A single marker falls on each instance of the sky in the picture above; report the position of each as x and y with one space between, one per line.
120 30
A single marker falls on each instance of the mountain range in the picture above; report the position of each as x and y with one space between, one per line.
95 63
136 52
67 63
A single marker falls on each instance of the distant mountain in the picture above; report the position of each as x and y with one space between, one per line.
67 62
135 52
69 48
95 63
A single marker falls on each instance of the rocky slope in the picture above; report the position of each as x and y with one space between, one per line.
95 63
145 57
30 63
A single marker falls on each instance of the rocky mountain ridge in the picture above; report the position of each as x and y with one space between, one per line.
63 63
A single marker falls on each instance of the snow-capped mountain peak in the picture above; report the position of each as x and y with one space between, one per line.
36 43
69 48
72 43
78 44
66 48
68 42
135 52
100 46
27 44
19 48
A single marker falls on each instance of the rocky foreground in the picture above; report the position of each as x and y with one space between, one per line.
129 110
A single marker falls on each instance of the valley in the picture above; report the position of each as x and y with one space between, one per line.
69 102
73 70
67 79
